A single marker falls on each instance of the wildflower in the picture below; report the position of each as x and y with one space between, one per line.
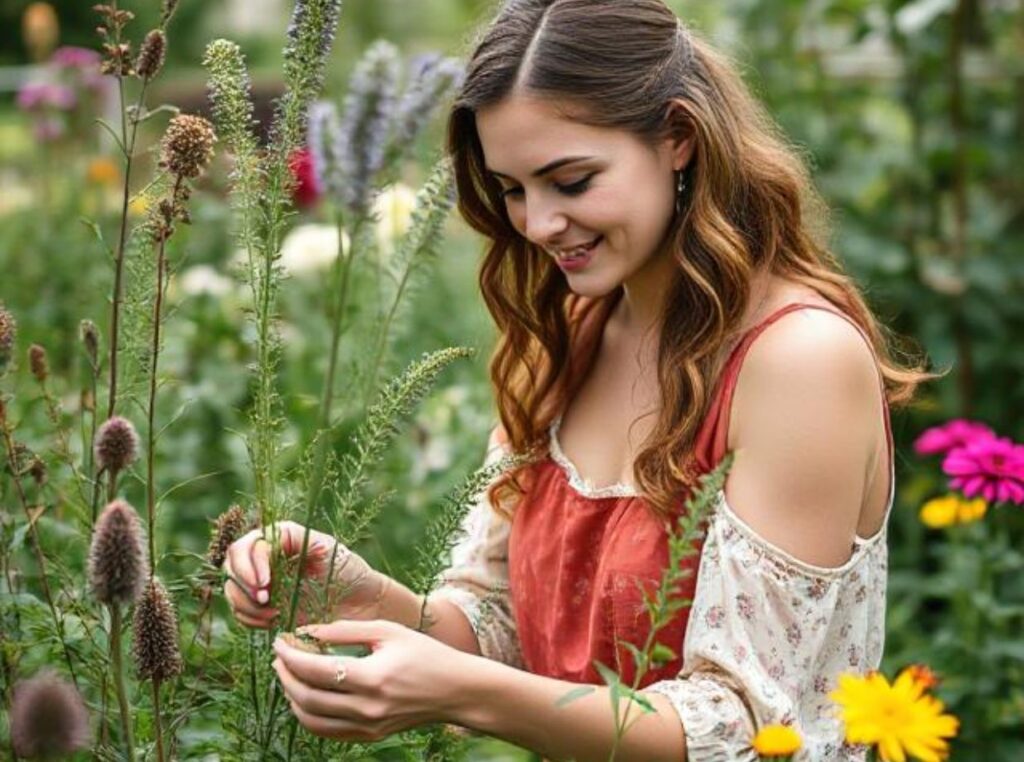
151 55
432 77
187 147
90 339
117 444
307 249
40 29
899 719
117 557
102 171
305 188
954 433
203 279
40 96
923 675
776 741
8 332
155 630
990 467
48 718
393 209
942 512
229 527
72 57
38 363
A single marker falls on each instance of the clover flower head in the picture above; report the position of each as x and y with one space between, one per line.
117 556
117 444
155 632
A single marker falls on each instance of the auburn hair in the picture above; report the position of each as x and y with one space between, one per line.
750 205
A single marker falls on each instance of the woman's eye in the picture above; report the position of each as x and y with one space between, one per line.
576 188
510 191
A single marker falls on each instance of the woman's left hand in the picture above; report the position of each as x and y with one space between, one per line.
407 680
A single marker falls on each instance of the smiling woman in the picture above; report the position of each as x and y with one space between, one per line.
659 276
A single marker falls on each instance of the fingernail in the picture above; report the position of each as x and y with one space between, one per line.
262 596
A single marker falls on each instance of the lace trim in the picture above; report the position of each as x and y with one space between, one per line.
580 485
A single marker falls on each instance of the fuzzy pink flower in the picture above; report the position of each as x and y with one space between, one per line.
987 467
954 433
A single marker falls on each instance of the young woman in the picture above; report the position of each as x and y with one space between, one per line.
662 298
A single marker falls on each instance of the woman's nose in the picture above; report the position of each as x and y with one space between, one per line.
545 223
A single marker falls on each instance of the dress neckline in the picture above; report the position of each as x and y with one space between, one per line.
579 484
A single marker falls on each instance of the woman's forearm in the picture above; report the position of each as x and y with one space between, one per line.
443 620
520 707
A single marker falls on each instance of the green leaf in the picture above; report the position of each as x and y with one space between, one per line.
662 654
574 694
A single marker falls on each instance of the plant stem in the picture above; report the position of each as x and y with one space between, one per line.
157 724
117 667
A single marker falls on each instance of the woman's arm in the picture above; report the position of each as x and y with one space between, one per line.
443 619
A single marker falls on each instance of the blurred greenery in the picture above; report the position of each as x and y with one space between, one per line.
911 115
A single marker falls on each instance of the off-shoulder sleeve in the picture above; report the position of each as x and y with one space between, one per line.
767 638
477 579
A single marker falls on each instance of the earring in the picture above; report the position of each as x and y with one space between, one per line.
680 187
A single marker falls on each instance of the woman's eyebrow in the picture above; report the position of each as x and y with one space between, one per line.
550 167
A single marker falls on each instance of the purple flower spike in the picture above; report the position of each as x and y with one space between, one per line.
955 433
990 468
71 57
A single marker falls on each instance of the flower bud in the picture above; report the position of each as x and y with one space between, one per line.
187 146
229 527
151 55
155 629
48 718
38 363
8 331
117 556
90 339
117 444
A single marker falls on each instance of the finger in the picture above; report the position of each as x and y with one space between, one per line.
240 603
320 670
250 621
327 703
355 632
239 561
331 727
260 554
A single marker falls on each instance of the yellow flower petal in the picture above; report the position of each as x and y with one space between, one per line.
940 512
776 741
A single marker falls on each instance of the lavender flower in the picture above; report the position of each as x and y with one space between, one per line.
432 77
117 444
117 556
48 718
155 629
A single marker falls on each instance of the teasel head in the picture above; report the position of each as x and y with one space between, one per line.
155 635
38 363
117 445
90 335
187 147
229 526
151 55
48 718
8 332
117 556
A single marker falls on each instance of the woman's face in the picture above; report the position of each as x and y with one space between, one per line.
568 184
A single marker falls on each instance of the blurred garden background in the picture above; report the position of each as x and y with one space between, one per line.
911 115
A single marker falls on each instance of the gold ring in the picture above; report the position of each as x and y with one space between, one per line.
339 675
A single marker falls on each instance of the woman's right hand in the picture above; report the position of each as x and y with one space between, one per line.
355 590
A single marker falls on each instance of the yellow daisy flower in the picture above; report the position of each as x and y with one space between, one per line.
900 719
972 510
776 741
940 512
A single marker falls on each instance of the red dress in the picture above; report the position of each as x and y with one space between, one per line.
575 557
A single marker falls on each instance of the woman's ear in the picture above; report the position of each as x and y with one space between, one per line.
680 135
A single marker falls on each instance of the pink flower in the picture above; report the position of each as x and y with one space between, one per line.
306 190
71 57
954 433
40 95
992 468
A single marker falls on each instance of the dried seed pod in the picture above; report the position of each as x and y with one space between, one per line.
151 55
38 363
90 339
117 444
187 147
155 629
117 556
229 526
48 718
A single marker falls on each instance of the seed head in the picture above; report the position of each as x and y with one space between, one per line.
8 330
38 363
117 556
117 444
48 718
151 55
187 147
155 629
37 470
90 339
229 527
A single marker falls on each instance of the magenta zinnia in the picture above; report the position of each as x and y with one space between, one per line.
988 467
952 434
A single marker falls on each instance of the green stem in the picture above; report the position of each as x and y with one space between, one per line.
117 668
157 723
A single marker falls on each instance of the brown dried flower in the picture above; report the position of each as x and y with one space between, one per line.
117 444
8 330
38 363
48 718
117 556
229 527
187 146
91 339
151 55
155 628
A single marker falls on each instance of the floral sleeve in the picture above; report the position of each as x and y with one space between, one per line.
767 638
477 580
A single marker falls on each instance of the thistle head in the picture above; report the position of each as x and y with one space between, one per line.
229 526
155 630
48 718
187 147
151 55
117 444
117 556
38 363
90 340
8 332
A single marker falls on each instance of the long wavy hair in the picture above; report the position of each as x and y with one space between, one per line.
750 205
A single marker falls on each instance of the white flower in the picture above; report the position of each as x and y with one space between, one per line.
393 209
203 279
308 249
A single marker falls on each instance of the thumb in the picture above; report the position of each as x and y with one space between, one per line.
352 632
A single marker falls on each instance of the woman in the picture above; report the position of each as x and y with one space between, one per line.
661 300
